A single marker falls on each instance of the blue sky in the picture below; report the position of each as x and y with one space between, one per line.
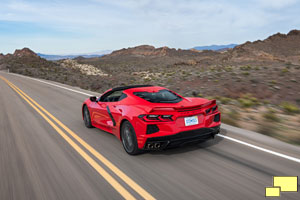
73 26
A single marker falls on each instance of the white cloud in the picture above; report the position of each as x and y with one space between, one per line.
113 24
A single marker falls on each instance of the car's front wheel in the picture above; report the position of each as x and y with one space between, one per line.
129 140
86 117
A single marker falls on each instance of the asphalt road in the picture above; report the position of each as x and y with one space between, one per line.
36 162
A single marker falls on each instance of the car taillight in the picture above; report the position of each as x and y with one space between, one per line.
152 117
166 116
214 108
208 111
156 118
211 110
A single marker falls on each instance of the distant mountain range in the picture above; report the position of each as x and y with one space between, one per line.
215 47
102 53
71 56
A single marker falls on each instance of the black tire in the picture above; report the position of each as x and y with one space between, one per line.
87 117
129 139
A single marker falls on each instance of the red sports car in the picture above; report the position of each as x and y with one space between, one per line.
146 117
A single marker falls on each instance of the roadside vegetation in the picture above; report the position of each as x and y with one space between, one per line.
280 121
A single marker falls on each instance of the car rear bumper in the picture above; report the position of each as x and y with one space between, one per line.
158 143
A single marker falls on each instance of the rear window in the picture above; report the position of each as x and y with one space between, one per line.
162 96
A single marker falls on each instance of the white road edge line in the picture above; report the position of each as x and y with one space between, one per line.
220 135
260 148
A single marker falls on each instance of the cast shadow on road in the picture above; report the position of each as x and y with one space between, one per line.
190 147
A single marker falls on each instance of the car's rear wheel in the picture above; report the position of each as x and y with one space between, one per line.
87 117
129 140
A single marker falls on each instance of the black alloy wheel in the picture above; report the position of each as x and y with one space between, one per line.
129 140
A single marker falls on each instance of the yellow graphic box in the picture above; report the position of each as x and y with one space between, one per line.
282 184
286 183
272 191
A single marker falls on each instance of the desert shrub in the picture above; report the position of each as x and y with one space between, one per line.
246 73
228 68
285 70
246 103
267 128
273 82
212 69
225 100
170 80
293 80
271 116
246 68
254 100
289 108
251 117
232 118
254 81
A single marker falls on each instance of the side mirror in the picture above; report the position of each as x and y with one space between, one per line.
93 99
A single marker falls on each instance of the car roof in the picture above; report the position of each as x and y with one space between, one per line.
145 89
129 87
134 88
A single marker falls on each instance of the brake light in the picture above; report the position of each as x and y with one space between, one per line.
156 118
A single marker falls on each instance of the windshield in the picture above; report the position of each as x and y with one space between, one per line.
162 96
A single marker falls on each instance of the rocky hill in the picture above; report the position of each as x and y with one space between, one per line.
147 50
23 59
278 47
27 62
25 52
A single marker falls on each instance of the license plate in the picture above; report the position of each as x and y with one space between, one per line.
191 120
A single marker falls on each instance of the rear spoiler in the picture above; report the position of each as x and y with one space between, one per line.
183 108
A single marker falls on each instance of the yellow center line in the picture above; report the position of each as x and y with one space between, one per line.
90 160
104 160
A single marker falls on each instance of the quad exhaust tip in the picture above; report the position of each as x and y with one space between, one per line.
153 146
